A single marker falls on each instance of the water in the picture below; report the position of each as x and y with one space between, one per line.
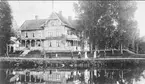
112 74
68 76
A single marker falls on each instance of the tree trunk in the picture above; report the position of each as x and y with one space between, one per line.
137 48
121 48
133 45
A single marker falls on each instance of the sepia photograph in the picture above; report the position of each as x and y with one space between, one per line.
72 42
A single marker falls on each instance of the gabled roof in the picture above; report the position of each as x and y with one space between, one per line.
37 24
33 24
64 20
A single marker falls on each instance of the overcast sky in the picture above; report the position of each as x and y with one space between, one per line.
26 10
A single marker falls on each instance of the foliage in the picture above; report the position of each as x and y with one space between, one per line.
107 24
15 31
5 25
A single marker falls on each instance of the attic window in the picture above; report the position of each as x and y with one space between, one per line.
69 32
52 23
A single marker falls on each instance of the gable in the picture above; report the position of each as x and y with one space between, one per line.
54 19
62 19
53 16
54 22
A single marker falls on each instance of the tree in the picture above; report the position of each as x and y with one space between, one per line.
127 26
15 31
107 24
5 25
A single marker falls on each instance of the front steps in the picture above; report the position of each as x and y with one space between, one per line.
25 52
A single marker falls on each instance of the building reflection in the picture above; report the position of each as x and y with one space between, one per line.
58 76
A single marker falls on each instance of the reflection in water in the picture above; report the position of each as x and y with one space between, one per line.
68 76
73 72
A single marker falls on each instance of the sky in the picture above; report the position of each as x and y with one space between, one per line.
140 17
27 10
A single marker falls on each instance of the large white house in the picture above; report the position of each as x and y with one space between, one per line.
52 34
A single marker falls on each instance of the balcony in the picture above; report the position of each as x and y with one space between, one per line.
32 38
68 37
62 36
72 37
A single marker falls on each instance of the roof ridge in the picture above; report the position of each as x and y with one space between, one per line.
35 19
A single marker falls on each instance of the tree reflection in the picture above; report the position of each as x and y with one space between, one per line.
69 76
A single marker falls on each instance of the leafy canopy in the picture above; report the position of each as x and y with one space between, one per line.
107 24
5 25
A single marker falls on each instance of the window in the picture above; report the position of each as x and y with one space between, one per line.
39 34
71 43
57 43
23 34
69 32
58 22
52 23
33 35
55 22
57 33
50 34
39 43
58 76
26 35
68 43
50 44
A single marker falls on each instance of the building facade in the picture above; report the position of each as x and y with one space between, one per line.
53 34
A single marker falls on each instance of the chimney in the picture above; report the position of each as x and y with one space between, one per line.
69 18
36 17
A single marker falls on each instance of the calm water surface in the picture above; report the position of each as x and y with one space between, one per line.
92 75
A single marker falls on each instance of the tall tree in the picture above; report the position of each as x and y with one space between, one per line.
5 25
108 24
127 26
